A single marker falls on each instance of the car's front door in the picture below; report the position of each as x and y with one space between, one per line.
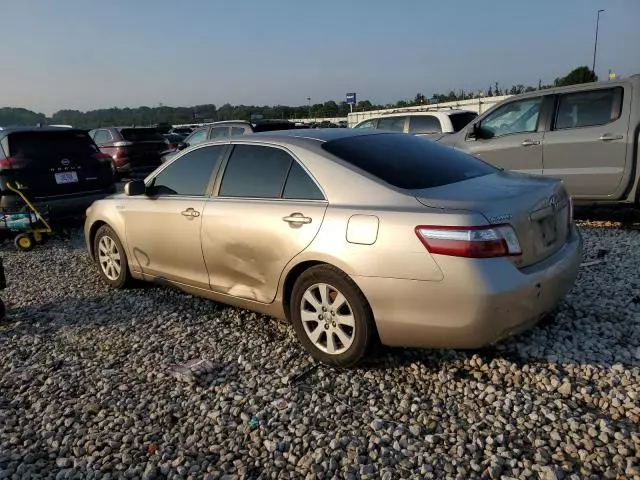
267 210
587 145
163 227
511 137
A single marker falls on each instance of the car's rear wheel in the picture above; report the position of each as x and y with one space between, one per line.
111 258
331 316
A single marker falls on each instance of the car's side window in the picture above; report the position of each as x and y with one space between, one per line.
367 124
237 131
424 124
102 136
255 171
190 174
392 123
197 137
300 186
515 117
588 109
218 132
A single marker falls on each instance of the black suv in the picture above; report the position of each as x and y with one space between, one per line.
60 170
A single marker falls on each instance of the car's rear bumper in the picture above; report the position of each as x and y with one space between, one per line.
61 206
477 303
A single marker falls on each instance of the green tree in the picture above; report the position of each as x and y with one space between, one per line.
578 75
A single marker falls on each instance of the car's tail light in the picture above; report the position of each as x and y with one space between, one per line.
102 157
470 242
5 163
122 144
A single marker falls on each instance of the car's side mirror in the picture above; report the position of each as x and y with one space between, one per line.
135 187
182 145
476 132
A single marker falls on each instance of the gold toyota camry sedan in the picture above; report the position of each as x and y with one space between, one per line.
353 236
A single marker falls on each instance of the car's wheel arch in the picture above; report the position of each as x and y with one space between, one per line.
297 268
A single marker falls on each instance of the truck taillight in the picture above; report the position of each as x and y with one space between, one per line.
471 242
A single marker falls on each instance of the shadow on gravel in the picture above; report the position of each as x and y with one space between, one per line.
627 216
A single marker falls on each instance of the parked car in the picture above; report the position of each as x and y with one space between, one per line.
60 170
428 247
184 131
228 128
173 140
431 123
135 150
587 135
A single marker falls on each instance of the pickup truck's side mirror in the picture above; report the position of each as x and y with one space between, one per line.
182 145
135 187
476 132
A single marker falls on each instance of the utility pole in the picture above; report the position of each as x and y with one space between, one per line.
309 100
595 45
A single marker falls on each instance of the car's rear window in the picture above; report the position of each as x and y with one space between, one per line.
461 120
38 144
270 127
407 161
141 135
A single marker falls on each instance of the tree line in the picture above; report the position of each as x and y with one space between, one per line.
208 113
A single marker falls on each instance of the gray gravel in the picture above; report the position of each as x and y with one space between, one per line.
87 389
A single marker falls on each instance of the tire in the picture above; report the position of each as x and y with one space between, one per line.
111 258
351 337
24 242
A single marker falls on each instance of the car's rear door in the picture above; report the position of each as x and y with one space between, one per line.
586 146
50 163
267 210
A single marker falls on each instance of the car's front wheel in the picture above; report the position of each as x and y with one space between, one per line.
111 258
331 316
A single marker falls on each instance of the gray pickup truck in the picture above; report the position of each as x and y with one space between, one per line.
587 135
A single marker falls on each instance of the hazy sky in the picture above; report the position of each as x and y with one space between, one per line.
86 54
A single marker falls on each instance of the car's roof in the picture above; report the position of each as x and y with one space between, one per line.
435 113
318 134
8 130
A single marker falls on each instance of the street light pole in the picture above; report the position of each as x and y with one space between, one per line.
595 45
309 100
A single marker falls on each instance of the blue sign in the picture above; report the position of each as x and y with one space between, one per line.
351 98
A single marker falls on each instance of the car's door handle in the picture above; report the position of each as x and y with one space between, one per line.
297 217
190 212
528 143
607 137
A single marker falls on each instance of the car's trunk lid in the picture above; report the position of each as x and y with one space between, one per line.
537 208
51 163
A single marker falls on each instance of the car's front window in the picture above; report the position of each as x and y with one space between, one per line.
190 174
198 137
515 117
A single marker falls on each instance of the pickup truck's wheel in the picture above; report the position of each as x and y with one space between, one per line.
111 258
331 316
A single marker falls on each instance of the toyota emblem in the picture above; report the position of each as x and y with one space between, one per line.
66 162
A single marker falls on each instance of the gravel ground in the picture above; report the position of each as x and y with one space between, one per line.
86 388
